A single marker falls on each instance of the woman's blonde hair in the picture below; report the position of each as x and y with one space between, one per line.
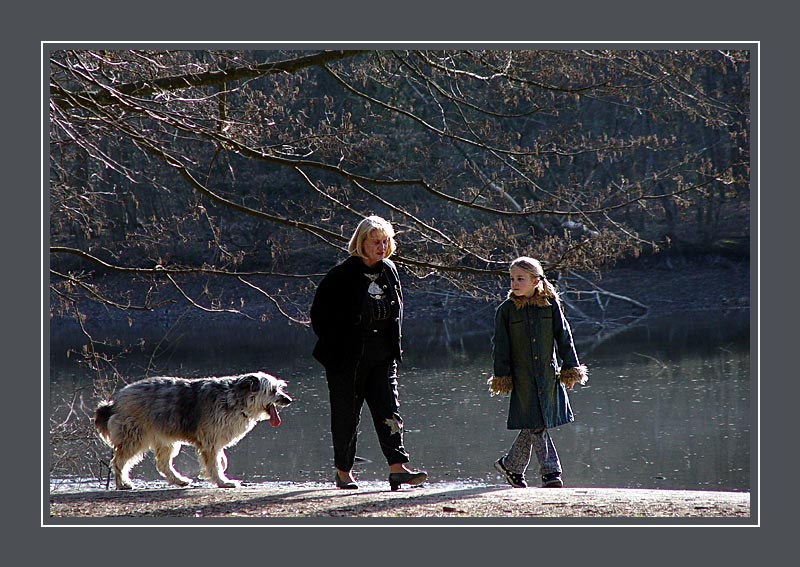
363 230
534 268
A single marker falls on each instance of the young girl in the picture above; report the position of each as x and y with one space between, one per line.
531 335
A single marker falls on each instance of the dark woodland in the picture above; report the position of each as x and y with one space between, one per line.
249 169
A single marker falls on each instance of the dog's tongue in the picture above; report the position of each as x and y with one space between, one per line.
274 418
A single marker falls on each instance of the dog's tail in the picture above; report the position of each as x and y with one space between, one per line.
101 416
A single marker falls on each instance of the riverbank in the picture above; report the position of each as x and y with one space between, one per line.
650 287
373 502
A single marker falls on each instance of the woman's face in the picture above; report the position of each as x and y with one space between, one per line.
375 246
523 283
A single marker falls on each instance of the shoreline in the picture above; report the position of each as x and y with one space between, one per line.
664 286
457 503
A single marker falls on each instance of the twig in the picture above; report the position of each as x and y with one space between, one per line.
202 308
663 366
275 302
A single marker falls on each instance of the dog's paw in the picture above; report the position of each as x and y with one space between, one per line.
229 484
124 486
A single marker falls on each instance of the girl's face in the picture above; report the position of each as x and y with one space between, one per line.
375 246
523 284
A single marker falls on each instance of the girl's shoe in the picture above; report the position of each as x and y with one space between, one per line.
552 480
412 478
514 479
345 484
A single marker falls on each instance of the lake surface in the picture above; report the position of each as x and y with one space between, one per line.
669 404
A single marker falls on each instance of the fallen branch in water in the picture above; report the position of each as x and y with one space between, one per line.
597 291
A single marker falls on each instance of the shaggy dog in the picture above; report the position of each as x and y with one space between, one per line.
163 413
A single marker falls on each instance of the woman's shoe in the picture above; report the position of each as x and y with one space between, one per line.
345 484
412 478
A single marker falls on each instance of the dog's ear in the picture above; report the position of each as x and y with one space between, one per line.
250 382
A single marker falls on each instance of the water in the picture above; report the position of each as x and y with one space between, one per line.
668 405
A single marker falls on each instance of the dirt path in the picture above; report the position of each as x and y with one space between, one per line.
322 503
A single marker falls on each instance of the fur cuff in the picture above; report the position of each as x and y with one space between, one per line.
500 385
571 376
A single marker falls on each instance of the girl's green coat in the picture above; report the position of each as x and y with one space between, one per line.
530 338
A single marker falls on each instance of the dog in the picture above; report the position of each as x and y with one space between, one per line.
163 413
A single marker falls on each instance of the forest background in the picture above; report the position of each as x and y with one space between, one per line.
216 174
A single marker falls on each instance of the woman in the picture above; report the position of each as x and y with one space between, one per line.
531 335
357 316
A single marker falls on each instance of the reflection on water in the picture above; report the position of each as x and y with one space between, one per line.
667 406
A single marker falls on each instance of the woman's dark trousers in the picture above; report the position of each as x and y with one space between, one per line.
373 381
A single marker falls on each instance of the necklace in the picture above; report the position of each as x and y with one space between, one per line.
374 289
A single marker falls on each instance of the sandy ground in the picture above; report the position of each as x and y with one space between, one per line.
435 502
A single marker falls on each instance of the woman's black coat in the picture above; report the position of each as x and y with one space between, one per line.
336 313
